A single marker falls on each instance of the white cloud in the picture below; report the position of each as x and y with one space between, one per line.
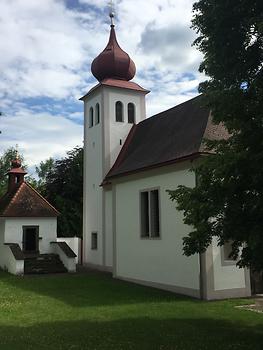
47 48
97 3
44 47
39 135
179 92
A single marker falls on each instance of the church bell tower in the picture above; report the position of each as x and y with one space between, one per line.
111 109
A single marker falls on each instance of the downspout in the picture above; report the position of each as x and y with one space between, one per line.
201 264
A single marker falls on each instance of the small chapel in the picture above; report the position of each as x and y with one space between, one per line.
131 227
28 230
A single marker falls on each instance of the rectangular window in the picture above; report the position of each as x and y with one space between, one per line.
145 214
150 214
227 249
94 241
154 200
91 117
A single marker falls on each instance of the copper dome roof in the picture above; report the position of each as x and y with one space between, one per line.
113 62
16 163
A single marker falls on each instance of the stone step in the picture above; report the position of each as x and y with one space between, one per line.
44 264
38 271
43 256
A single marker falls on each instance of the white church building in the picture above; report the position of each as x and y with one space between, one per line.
131 226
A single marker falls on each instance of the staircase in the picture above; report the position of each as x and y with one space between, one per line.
43 264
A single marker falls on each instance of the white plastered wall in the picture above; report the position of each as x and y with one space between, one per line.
158 261
102 144
118 130
93 193
226 276
7 260
47 231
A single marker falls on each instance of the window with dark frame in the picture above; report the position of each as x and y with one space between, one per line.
119 111
97 114
154 213
145 214
131 113
227 249
150 214
94 240
91 117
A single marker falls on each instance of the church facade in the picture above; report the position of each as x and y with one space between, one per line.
131 227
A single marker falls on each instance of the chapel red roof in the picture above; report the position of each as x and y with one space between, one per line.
166 138
24 201
121 84
113 62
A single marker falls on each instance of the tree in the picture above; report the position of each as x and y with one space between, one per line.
44 168
227 202
63 188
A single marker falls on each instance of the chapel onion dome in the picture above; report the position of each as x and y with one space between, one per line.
113 62
16 163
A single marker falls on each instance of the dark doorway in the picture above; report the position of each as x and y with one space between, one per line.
256 282
30 239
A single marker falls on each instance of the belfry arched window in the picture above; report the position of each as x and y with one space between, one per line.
119 111
131 113
91 117
97 114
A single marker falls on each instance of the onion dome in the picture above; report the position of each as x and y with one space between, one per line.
16 174
113 62
16 166
16 163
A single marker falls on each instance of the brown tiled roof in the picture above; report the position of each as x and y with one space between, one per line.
122 84
166 138
24 201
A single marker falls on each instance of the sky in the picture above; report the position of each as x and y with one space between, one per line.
47 47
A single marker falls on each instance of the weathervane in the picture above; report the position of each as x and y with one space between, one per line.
111 11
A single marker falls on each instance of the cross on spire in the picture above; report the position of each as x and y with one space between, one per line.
17 154
111 11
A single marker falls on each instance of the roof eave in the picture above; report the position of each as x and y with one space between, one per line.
92 90
28 216
192 156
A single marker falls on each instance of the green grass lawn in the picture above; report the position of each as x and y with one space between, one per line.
93 311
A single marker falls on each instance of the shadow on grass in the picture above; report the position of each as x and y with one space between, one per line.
137 333
82 290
